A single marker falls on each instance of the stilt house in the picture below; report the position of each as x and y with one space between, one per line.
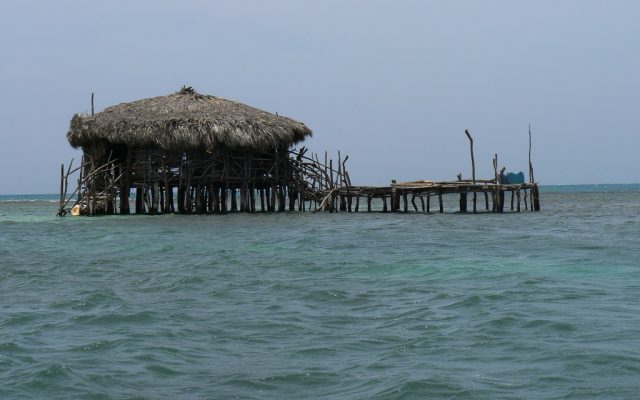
185 152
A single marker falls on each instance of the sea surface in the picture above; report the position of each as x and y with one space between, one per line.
324 306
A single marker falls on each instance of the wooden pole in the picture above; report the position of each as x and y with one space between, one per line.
463 197
92 104
531 178
473 168
61 190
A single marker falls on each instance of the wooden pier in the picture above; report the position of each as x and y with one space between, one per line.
417 197
156 184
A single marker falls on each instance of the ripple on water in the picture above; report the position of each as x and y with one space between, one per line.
323 306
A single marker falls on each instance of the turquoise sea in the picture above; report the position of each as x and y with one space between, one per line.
324 306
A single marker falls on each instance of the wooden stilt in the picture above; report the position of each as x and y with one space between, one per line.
252 198
234 200
463 202
413 201
223 200
512 194
162 200
139 201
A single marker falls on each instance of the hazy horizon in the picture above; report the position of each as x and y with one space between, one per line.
394 86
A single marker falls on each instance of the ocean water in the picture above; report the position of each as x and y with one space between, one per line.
334 306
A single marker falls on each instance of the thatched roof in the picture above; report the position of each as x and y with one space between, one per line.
186 119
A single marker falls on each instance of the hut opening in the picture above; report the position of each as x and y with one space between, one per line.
189 153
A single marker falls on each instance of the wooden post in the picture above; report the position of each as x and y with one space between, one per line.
496 197
162 200
395 197
531 178
199 199
243 197
512 194
234 200
535 202
125 188
188 203
440 202
463 197
208 187
154 199
223 199
473 168
281 199
463 202
252 198
267 193
139 200
413 201
60 211
216 198
180 199
292 199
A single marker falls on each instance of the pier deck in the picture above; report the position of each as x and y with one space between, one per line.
398 196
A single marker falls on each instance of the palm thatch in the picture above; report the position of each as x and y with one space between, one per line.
186 119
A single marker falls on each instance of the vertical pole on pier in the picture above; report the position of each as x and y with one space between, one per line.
463 197
92 104
531 178
496 197
473 167
60 211
535 201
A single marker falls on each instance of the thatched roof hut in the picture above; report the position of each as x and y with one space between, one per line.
186 120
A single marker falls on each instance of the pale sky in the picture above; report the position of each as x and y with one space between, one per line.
392 84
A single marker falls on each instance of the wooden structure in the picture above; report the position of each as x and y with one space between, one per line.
398 196
193 153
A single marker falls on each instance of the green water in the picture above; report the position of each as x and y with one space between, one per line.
332 306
